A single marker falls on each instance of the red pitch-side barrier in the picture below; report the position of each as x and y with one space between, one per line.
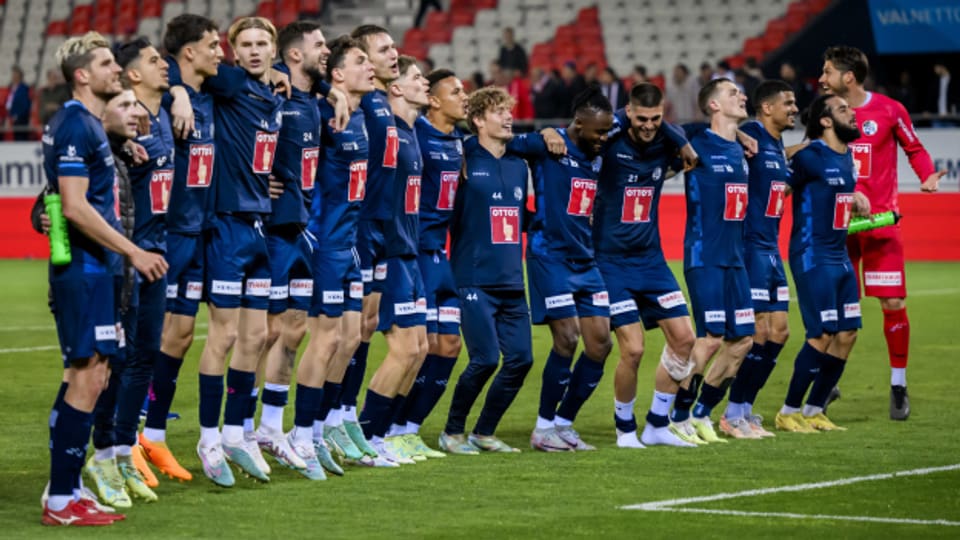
931 227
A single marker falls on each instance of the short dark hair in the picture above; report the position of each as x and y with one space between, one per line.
646 95
641 69
707 93
362 32
591 99
812 115
128 53
438 75
846 58
292 34
184 29
768 90
404 63
338 53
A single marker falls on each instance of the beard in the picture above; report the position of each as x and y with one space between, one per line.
846 134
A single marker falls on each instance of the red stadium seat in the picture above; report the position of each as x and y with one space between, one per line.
437 19
311 7
413 35
103 23
55 28
151 8
461 18
266 9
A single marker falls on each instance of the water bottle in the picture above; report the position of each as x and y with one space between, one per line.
59 239
875 221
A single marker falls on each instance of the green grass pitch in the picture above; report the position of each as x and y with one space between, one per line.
545 495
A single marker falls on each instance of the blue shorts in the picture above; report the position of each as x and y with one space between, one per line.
337 286
768 282
443 304
562 289
403 303
239 271
370 248
496 323
720 298
641 289
85 312
185 256
291 269
828 297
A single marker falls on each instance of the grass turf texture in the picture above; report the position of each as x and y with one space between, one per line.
534 494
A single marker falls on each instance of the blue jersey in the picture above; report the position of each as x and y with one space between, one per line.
400 236
74 144
247 114
152 182
342 180
191 199
442 159
488 218
382 131
298 158
626 215
823 182
565 188
768 182
716 193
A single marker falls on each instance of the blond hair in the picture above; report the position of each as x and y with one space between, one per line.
246 23
77 52
479 102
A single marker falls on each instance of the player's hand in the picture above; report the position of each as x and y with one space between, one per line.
143 120
276 187
861 204
181 113
554 141
152 265
341 110
281 83
932 183
750 145
690 157
136 152
45 223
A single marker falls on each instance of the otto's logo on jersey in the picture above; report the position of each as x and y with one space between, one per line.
582 193
358 181
411 200
862 159
392 148
505 224
309 157
160 184
842 210
264 150
869 128
636 204
775 200
736 202
448 190
200 168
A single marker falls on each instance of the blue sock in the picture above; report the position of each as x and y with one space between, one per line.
746 376
376 407
62 391
831 369
586 376
250 410
274 398
437 370
307 406
397 412
211 398
353 379
331 399
710 397
239 385
164 385
685 399
68 449
654 420
556 379
805 369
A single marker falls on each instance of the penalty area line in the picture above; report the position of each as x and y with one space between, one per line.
790 515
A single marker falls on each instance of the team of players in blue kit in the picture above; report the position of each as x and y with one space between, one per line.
327 207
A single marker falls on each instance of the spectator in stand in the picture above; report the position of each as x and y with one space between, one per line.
496 74
612 88
590 75
945 95
802 91
519 89
427 65
752 68
724 71
53 95
476 81
573 84
546 90
512 56
425 6
682 90
706 75
748 83
17 107
638 75
904 93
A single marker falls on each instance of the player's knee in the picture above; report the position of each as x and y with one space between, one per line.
893 304
293 335
599 347
449 345
741 346
682 345
710 345
273 334
631 355
565 340
846 339
762 334
368 326
779 334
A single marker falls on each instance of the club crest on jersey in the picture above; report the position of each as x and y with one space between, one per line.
448 190
505 225
776 199
862 159
518 193
264 150
736 202
200 169
582 193
657 174
411 201
870 127
357 186
392 148
636 204
842 209
160 184
309 159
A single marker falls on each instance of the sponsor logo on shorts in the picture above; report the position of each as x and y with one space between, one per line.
172 290
828 315
421 305
671 300
883 279
714 316
743 316
760 294
617 308
106 332
559 301
366 275
333 297
783 294
601 299
405 308
356 290
851 311
301 287
380 272
258 287
449 315
279 293
432 314
230 288
194 290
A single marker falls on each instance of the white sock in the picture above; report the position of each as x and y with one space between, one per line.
810 410
623 411
101 454
232 434
248 425
413 428
155 435
898 376
562 422
317 430
59 502
788 410
334 418
209 436
304 435
349 413
395 430
543 423
272 417
122 450
662 403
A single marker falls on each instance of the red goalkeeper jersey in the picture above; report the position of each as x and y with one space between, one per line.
884 123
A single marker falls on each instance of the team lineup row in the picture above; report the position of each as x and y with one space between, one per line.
317 195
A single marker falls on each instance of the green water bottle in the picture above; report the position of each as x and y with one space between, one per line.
59 239
875 221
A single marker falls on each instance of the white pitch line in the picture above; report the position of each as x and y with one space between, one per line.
900 521
33 328
54 347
